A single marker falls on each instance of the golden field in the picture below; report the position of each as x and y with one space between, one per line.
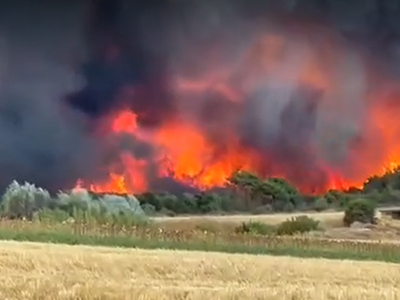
221 223
46 271
329 216
331 222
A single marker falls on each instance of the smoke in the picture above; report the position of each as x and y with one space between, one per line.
37 143
299 65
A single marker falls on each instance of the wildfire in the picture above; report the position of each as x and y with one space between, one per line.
184 150
183 153
125 122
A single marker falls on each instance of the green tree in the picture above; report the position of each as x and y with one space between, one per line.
151 199
208 202
246 186
274 191
22 201
284 197
321 204
337 198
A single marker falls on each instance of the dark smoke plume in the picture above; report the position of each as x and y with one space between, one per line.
65 66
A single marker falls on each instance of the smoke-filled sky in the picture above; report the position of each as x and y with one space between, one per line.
292 80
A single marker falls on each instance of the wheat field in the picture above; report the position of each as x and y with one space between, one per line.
46 271
228 223
268 218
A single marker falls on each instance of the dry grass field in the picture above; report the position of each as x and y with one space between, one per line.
331 222
269 218
45 271
327 219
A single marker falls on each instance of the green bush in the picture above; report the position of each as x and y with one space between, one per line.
386 196
82 200
151 199
51 216
84 207
76 200
255 228
321 204
300 224
173 203
148 209
207 203
263 210
359 210
22 201
167 212
200 203
120 204
336 198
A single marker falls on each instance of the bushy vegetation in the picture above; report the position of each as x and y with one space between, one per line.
292 226
154 238
201 203
359 210
80 216
245 192
22 201
297 225
253 227
30 202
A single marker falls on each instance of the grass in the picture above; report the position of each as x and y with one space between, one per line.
46 271
155 238
327 219
331 222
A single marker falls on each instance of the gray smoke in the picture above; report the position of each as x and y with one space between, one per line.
43 46
41 141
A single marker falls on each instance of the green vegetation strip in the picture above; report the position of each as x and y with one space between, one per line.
60 237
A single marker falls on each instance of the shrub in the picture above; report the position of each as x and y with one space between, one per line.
118 204
51 216
110 209
359 210
321 204
82 200
76 200
173 203
262 210
386 196
283 206
255 228
207 203
337 198
376 183
167 212
151 199
21 201
300 224
128 219
289 207
148 209
306 205
291 192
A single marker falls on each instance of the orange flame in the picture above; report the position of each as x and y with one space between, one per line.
187 154
125 123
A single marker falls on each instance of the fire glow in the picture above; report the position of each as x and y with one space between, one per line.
185 150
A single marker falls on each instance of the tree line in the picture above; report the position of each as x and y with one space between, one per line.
244 192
